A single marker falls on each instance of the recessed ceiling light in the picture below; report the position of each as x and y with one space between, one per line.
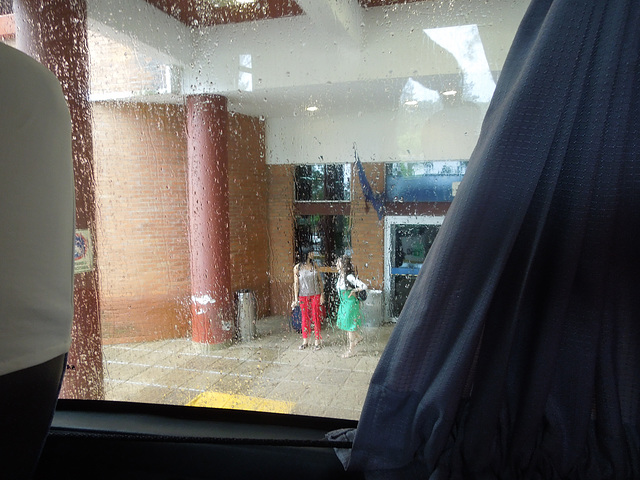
449 93
312 109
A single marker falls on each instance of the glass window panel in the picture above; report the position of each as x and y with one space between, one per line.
424 181
302 85
316 183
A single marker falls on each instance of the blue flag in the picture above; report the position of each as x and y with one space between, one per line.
375 199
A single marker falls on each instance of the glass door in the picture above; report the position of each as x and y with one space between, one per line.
407 242
329 237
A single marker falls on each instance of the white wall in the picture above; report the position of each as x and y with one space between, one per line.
387 136
352 63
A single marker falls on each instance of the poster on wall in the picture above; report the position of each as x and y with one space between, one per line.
82 252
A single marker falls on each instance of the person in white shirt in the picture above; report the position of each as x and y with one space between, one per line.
349 316
37 225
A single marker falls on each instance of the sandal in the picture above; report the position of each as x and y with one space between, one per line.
317 346
303 346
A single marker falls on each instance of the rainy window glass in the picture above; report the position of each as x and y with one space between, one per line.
227 154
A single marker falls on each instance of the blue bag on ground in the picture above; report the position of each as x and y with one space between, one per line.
296 319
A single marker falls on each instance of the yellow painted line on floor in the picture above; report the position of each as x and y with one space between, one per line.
240 402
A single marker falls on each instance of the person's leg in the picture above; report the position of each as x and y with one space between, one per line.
27 401
353 338
315 312
350 352
357 338
306 323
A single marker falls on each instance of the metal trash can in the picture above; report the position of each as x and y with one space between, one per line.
246 315
372 309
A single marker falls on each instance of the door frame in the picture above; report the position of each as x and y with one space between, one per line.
389 222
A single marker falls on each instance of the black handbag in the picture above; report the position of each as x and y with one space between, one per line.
361 295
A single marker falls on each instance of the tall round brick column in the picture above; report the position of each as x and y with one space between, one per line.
54 32
211 300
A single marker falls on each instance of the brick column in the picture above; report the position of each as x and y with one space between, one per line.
211 300
55 33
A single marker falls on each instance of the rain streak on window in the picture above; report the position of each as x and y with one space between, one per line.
226 143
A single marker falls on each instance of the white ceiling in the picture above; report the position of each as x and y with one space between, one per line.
343 58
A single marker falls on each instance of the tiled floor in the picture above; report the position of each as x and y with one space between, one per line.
268 373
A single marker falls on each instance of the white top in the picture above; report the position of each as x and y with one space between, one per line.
342 285
36 214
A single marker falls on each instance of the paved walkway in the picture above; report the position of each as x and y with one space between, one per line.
268 373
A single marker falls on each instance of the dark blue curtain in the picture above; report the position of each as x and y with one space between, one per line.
517 354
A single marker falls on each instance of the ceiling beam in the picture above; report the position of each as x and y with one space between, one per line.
138 23
341 18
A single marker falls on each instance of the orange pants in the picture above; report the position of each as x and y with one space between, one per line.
310 306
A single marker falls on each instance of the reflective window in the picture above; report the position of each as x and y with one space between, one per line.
323 183
424 181
222 151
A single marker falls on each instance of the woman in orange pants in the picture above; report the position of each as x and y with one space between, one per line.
308 291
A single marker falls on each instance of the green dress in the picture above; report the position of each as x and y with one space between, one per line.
348 312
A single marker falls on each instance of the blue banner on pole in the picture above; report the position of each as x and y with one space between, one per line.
370 196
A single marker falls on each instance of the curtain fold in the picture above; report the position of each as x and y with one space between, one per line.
517 352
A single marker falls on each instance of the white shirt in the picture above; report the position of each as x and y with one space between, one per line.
342 285
36 214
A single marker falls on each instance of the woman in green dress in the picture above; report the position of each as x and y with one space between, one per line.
349 317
